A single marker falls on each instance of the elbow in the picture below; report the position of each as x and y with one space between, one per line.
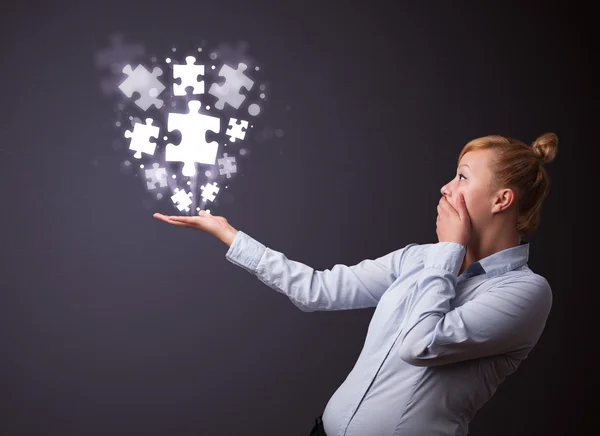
410 358
307 309
409 353
304 308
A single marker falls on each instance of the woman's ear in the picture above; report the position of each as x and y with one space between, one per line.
504 199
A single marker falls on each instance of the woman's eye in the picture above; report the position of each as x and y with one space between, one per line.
460 175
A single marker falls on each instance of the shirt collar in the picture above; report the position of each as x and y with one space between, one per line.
500 262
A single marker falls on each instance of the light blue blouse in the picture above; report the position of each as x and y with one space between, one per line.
438 344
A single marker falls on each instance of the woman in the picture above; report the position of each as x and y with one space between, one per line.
452 318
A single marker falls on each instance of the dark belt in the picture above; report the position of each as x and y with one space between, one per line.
318 429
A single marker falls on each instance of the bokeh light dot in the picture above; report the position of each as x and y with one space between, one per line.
254 109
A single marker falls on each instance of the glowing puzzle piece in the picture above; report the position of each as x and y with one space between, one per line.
229 165
114 58
209 191
193 147
236 129
182 200
140 138
156 176
145 83
189 77
229 92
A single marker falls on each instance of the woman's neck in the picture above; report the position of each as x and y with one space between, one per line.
491 242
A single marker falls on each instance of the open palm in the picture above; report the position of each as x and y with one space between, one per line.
205 221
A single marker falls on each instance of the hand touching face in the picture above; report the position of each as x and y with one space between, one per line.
453 224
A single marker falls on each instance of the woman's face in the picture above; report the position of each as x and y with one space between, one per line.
473 179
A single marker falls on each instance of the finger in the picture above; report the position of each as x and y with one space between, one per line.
462 206
178 224
447 206
183 219
168 220
443 206
161 217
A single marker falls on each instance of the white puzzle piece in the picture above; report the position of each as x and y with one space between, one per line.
229 92
229 165
146 83
236 129
193 147
189 77
182 200
156 176
209 191
140 138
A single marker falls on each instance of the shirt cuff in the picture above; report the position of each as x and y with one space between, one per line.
245 252
448 256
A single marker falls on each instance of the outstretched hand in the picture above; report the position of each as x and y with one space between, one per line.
453 224
215 225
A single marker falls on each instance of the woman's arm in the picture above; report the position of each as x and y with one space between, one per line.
340 288
507 318
227 234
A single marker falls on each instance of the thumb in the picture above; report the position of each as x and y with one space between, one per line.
462 206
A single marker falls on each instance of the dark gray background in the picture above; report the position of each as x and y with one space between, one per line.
113 323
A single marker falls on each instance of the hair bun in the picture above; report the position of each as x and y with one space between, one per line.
546 147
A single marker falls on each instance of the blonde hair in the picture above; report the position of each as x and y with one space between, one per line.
520 167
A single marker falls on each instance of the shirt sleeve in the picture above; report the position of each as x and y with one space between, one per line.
509 317
340 288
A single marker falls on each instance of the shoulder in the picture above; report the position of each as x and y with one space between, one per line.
527 280
528 290
541 288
